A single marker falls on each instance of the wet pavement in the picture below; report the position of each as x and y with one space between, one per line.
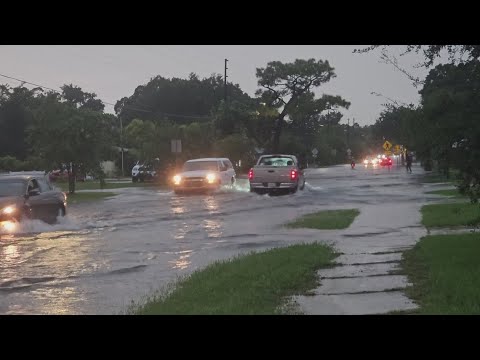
105 254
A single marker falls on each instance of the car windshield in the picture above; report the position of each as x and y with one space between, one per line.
276 161
200 165
12 188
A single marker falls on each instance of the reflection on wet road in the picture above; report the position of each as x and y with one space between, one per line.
105 254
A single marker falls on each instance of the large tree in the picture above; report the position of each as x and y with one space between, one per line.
456 54
288 86
75 96
451 107
430 53
308 115
15 117
178 100
61 133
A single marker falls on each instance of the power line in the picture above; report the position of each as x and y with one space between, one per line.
107 103
26 82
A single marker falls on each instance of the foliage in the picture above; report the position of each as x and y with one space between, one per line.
179 100
48 130
288 87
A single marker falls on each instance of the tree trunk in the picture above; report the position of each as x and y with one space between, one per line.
276 135
447 165
279 122
72 175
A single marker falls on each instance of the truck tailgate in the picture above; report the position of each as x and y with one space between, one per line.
272 174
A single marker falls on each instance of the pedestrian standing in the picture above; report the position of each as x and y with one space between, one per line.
409 160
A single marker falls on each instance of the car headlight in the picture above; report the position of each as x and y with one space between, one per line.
8 226
365 162
211 178
8 210
177 179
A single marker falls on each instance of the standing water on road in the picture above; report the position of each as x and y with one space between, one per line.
105 254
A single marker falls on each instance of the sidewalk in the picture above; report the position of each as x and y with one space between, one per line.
371 249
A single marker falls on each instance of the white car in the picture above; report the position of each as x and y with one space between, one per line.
135 171
204 174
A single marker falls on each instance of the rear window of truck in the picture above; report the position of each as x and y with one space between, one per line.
276 161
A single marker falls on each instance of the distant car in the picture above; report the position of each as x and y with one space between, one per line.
274 173
370 161
135 172
147 171
204 174
56 175
29 196
386 161
62 175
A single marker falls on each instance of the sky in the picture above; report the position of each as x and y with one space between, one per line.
114 71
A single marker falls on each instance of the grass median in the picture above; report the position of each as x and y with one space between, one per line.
445 273
326 220
254 284
451 215
448 192
88 196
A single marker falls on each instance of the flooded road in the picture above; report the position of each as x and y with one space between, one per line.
105 254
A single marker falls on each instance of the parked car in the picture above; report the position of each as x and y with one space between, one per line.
62 175
146 171
29 196
275 173
204 175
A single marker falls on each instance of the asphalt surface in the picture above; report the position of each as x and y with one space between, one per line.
106 254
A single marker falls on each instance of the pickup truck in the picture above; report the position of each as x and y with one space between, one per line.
274 173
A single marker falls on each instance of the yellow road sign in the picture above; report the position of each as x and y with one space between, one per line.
388 153
397 150
387 145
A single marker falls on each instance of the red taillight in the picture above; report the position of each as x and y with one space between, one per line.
293 174
250 174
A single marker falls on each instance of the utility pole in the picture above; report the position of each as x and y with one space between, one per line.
121 142
353 127
225 80
348 133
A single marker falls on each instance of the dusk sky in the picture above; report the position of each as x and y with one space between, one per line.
114 71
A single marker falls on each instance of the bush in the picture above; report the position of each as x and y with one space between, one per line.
9 163
428 165
236 147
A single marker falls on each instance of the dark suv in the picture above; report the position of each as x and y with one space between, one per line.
30 195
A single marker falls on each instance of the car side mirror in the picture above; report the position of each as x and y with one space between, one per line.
34 192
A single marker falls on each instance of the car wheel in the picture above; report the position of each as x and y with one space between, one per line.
303 185
25 214
232 183
134 179
61 211
294 190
